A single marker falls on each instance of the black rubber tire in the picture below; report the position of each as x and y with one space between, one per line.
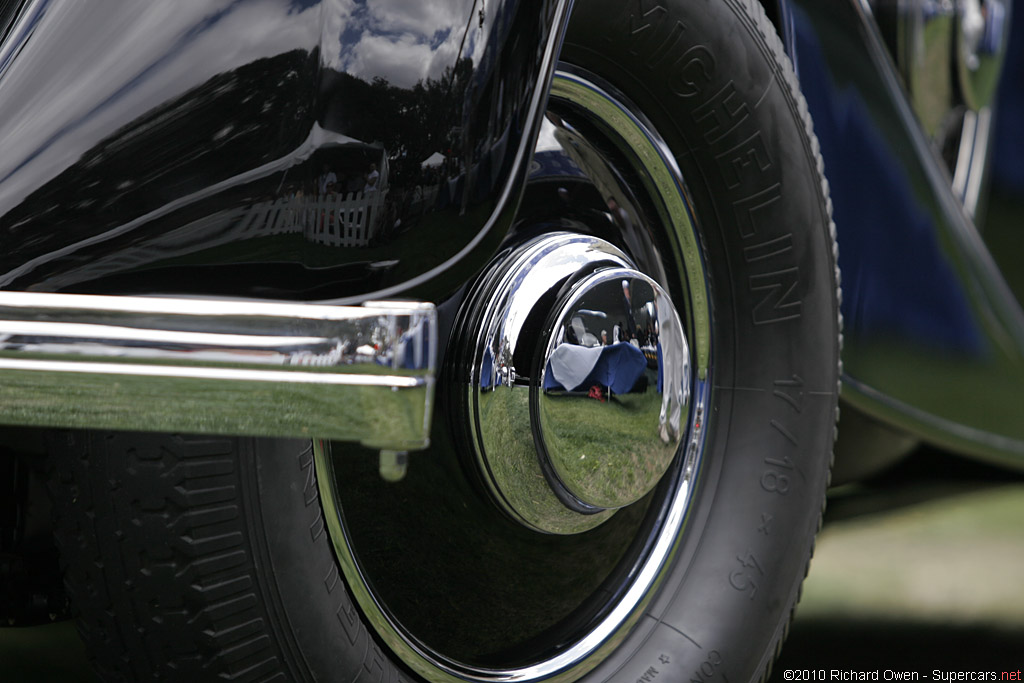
713 79
201 558
192 558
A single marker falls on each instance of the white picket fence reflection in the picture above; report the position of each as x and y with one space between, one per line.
335 220
331 220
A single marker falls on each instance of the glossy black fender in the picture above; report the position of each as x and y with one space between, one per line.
285 149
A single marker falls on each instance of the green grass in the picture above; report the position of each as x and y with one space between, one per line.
514 464
608 450
932 87
179 404
956 561
598 448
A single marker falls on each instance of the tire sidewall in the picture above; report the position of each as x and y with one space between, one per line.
711 78
318 618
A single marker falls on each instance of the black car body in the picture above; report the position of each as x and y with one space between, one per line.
301 218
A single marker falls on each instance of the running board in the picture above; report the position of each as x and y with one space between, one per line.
351 373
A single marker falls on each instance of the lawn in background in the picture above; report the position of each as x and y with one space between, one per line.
939 584
932 586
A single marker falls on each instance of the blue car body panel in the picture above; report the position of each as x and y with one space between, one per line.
934 338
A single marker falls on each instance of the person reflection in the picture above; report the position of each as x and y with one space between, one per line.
627 300
673 368
327 181
371 179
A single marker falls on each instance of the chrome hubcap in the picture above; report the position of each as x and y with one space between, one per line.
589 353
612 454
566 435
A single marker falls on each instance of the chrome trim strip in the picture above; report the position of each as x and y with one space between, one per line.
979 164
965 155
354 373
222 374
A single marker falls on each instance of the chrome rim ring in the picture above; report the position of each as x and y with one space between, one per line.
648 555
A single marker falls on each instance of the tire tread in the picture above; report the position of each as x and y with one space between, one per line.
117 496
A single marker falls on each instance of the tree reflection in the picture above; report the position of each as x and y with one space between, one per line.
410 123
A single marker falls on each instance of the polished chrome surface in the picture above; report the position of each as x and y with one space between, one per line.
534 273
919 33
507 372
221 366
980 46
972 158
949 55
661 179
577 197
618 339
563 665
981 43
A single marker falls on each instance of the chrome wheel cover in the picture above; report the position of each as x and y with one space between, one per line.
573 270
542 477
